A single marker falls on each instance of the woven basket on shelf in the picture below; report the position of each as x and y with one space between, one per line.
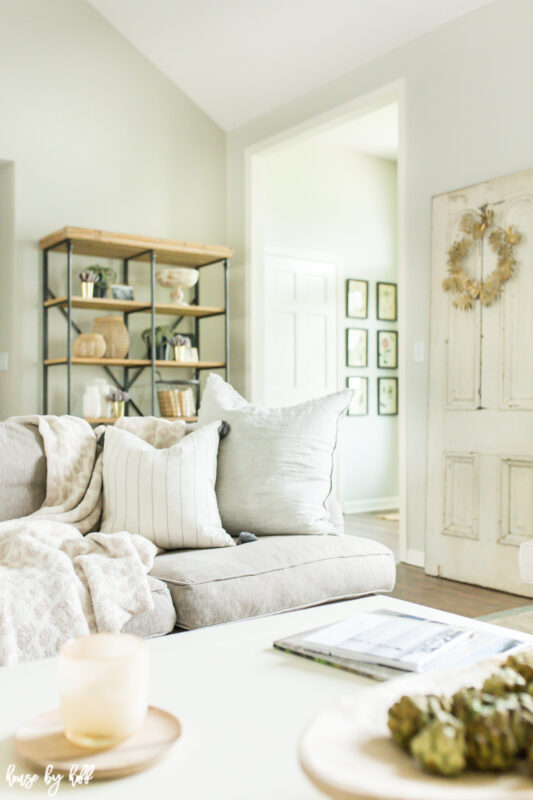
169 402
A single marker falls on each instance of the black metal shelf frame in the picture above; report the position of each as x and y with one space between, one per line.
127 380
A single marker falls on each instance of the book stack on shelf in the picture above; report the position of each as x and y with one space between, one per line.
176 403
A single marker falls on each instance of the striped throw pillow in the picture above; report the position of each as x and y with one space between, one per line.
166 495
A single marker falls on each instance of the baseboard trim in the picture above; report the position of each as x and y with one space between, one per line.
415 558
376 504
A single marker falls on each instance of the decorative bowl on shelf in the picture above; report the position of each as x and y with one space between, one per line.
178 279
89 345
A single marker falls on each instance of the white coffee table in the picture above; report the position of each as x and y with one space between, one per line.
243 706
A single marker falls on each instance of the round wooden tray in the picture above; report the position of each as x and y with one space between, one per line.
349 754
41 742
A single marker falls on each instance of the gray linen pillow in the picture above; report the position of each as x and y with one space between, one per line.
275 467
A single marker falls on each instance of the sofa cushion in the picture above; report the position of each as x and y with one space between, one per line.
160 620
275 468
166 495
272 574
22 470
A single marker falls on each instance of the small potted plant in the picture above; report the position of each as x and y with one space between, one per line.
179 345
162 335
118 398
88 279
105 277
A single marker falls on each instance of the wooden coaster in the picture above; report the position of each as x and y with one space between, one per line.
41 741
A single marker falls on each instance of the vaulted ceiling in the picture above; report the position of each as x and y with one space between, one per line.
238 59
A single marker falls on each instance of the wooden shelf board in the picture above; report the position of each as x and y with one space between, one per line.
112 420
135 362
108 304
104 244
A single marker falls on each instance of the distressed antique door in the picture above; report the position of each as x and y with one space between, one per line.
480 446
301 327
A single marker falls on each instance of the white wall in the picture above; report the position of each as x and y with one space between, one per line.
321 198
98 138
468 118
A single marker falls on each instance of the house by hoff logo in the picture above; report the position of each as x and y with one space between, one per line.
77 776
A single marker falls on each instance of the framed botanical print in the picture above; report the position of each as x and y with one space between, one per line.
359 403
356 299
387 350
387 302
387 397
356 347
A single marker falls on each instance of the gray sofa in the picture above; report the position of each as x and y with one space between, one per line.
194 588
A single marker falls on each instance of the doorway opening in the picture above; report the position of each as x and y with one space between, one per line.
325 293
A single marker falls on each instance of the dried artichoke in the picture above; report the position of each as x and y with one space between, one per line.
440 746
523 663
409 715
490 741
520 707
463 700
504 681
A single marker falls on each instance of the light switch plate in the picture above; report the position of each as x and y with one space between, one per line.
3 362
419 353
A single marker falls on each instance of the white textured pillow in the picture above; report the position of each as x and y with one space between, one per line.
275 466
166 495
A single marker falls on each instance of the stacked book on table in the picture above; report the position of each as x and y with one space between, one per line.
383 644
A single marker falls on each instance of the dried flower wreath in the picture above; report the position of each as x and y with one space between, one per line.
475 224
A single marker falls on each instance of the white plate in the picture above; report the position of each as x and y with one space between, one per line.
349 754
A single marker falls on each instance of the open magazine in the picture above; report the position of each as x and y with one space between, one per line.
382 644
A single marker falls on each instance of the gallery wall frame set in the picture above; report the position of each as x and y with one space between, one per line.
356 298
387 302
388 397
359 403
356 347
387 349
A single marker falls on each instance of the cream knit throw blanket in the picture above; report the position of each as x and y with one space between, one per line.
56 583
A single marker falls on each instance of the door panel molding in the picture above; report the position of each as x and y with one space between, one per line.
461 495
516 331
516 500
463 339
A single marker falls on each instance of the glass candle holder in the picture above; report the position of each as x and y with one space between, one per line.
103 687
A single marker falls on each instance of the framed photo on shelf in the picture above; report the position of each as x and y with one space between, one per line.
387 302
359 403
387 350
356 347
388 397
122 292
356 299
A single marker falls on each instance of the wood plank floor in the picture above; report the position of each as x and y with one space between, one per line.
414 585
459 598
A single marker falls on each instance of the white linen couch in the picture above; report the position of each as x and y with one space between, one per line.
194 588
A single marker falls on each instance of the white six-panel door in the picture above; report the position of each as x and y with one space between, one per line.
301 327
480 453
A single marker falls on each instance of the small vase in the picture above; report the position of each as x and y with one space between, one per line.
99 290
92 407
87 288
104 388
180 352
116 336
118 408
161 352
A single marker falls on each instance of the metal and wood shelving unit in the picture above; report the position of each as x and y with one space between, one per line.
101 244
